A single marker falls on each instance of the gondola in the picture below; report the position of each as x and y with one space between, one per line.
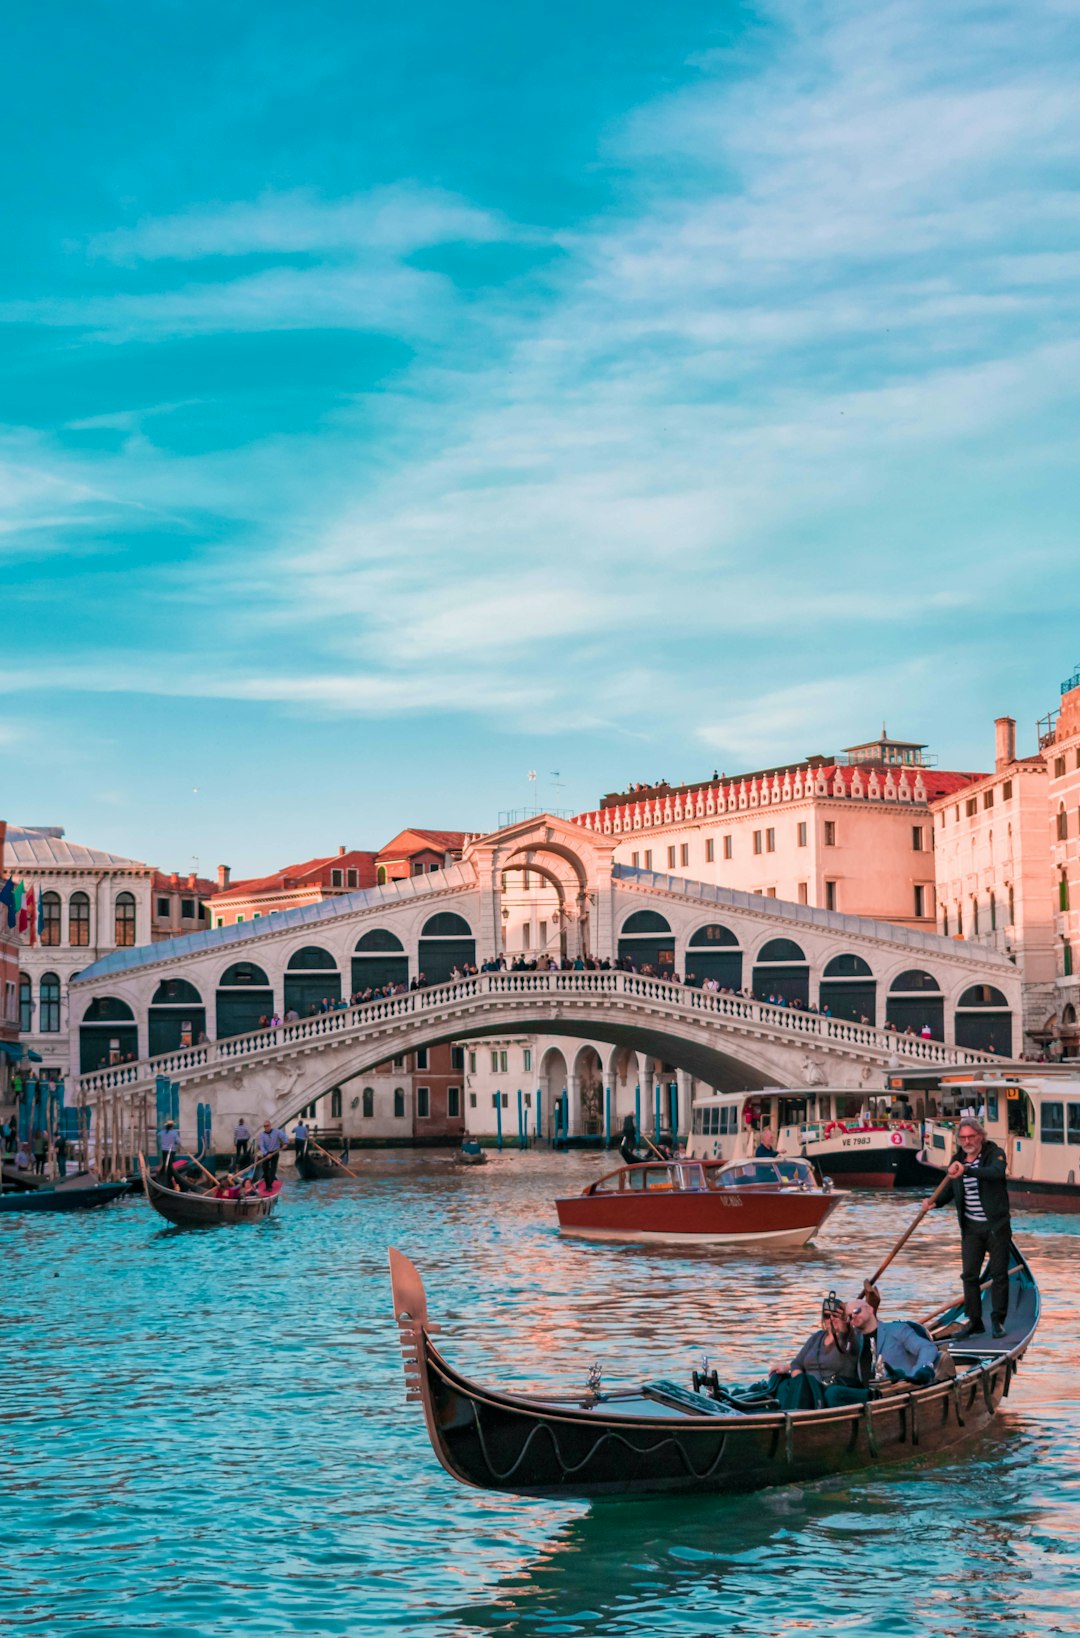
195 1209
64 1197
470 1154
312 1164
665 1437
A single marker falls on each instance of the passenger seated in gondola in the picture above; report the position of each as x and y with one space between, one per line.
903 1353
835 1355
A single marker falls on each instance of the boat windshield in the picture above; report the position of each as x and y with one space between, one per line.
773 1173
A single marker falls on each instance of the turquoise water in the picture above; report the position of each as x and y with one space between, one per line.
205 1433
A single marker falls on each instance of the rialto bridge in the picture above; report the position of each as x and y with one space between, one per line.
190 1008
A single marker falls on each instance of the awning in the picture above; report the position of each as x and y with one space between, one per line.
34 1057
12 1050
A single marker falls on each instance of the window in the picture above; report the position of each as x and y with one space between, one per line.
125 920
502 1062
974 918
1052 1129
944 924
635 859
971 806
423 1103
684 853
1012 914
49 1010
219 921
26 1005
79 920
993 913
770 841
710 851
399 1063
457 1057
648 858
163 907
671 858
399 1103
1006 791
802 833
368 1104
187 909
380 875
494 1062
472 1063
526 936
1062 825
417 867
256 915
770 892
959 921
916 838
335 1104
830 833
1063 891
830 895
804 892
50 918
1059 767
239 918
1066 959
920 900
988 798
727 847
543 935
352 878
757 841
472 1100
421 1057
526 1058
337 878
453 1102
1074 1122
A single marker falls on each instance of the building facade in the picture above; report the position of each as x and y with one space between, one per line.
10 1049
1059 741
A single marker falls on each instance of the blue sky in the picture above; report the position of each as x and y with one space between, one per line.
394 405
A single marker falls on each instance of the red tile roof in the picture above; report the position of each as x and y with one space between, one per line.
309 873
439 841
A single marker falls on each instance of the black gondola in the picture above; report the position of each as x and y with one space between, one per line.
666 1437
313 1164
69 1196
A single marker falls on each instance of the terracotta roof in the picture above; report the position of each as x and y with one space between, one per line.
306 874
200 885
442 841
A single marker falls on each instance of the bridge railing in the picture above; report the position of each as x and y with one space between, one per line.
439 998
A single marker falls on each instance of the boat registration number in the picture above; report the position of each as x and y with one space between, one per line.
857 1142
732 1199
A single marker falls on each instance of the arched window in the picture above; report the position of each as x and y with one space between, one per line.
79 920
781 949
310 959
49 1004
713 953
335 1104
379 959
107 1035
380 875
984 1021
1062 824
782 971
125 921
369 1102
243 998
378 940
915 1004
446 942
312 981
848 989
399 1103
644 921
51 931
446 925
646 940
175 992
993 913
847 966
177 1017
913 979
26 1004
712 936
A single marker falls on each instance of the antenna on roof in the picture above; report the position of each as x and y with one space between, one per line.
556 787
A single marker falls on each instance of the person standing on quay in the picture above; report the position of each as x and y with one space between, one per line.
981 1196
60 1148
41 1152
242 1142
270 1141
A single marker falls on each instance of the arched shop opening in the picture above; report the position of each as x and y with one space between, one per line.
649 942
848 989
916 1003
379 958
243 997
446 942
984 1021
781 970
108 1035
310 978
177 1016
713 952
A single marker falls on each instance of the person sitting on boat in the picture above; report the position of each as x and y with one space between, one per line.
766 1145
469 1145
836 1354
903 1351
169 1144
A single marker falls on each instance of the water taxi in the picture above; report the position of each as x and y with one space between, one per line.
685 1202
864 1140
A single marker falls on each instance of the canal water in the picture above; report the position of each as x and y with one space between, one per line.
204 1433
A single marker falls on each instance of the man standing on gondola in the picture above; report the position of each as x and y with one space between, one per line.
300 1138
169 1144
981 1194
270 1142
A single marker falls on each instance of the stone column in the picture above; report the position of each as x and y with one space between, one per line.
573 1114
648 1097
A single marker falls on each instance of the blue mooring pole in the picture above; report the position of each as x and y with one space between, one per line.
498 1120
539 1114
637 1110
607 1117
675 1113
523 1136
656 1114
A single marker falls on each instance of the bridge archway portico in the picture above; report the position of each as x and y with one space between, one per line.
722 1039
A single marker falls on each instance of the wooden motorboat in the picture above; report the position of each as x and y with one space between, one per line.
312 1164
69 1195
198 1208
662 1436
692 1202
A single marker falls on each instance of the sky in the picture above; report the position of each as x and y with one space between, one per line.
395 405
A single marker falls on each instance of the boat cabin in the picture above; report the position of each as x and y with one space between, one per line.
727 1125
652 1177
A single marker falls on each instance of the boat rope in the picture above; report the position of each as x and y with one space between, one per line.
569 1468
988 1390
956 1403
913 1412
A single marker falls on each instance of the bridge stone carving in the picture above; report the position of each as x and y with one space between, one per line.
726 1040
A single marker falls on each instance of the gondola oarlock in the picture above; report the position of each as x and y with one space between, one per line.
654 1438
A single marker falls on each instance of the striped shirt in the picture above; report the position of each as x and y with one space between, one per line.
973 1208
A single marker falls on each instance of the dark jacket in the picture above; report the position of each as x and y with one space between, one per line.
993 1188
824 1359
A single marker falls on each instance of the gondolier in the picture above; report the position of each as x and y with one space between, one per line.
300 1138
271 1140
169 1144
981 1195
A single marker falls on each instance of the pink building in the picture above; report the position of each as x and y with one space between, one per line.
10 1050
1060 744
851 832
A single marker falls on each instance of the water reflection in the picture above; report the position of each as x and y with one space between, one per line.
205 1434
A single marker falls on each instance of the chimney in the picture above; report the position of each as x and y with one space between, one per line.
222 877
1004 742
341 852
3 838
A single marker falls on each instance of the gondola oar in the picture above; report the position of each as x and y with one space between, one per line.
334 1161
870 1290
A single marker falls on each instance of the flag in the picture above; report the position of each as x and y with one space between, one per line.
7 899
30 912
